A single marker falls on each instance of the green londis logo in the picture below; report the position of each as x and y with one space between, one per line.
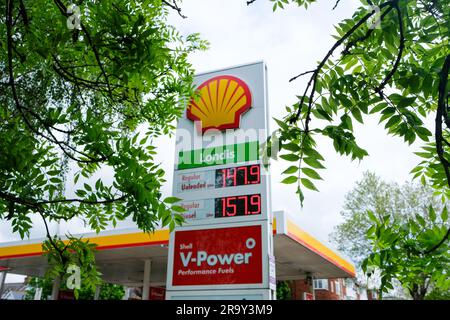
233 153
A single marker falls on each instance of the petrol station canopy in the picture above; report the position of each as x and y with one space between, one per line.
121 255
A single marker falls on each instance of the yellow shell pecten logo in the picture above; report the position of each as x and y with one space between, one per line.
222 101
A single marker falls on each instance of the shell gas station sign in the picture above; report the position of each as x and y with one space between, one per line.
202 260
226 241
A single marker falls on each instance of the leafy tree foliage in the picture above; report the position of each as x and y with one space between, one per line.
108 291
438 294
34 283
391 60
382 198
406 250
393 226
283 290
75 252
76 82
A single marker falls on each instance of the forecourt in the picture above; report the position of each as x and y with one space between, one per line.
122 255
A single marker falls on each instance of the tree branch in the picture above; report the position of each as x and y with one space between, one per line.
438 134
52 242
53 139
121 198
35 204
23 13
369 32
313 78
175 7
336 4
301 74
400 51
63 10
440 112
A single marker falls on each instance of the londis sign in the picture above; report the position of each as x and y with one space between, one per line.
235 153
218 256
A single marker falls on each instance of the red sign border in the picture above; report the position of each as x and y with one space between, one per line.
264 258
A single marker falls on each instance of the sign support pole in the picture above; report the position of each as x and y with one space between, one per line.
223 249
55 288
2 282
146 282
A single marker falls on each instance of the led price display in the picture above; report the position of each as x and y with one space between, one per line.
238 176
238 206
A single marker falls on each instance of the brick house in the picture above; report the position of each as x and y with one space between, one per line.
301 289
329 289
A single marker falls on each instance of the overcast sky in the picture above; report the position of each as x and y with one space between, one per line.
290 41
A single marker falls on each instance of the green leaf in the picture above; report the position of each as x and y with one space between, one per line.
311 173
357 115
370 231
378 108
313 154
291 147
357 69
290 180
143 141
290 157
420 220
48 162
372 216
393 121
308 184
313 163
406 102
423 133
166 219
414 226
364 265
431 213
426 155
291 170
178 209
81 193
283 125
171 200
322 114
444 214
346 102
347 122
387 113
300 195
